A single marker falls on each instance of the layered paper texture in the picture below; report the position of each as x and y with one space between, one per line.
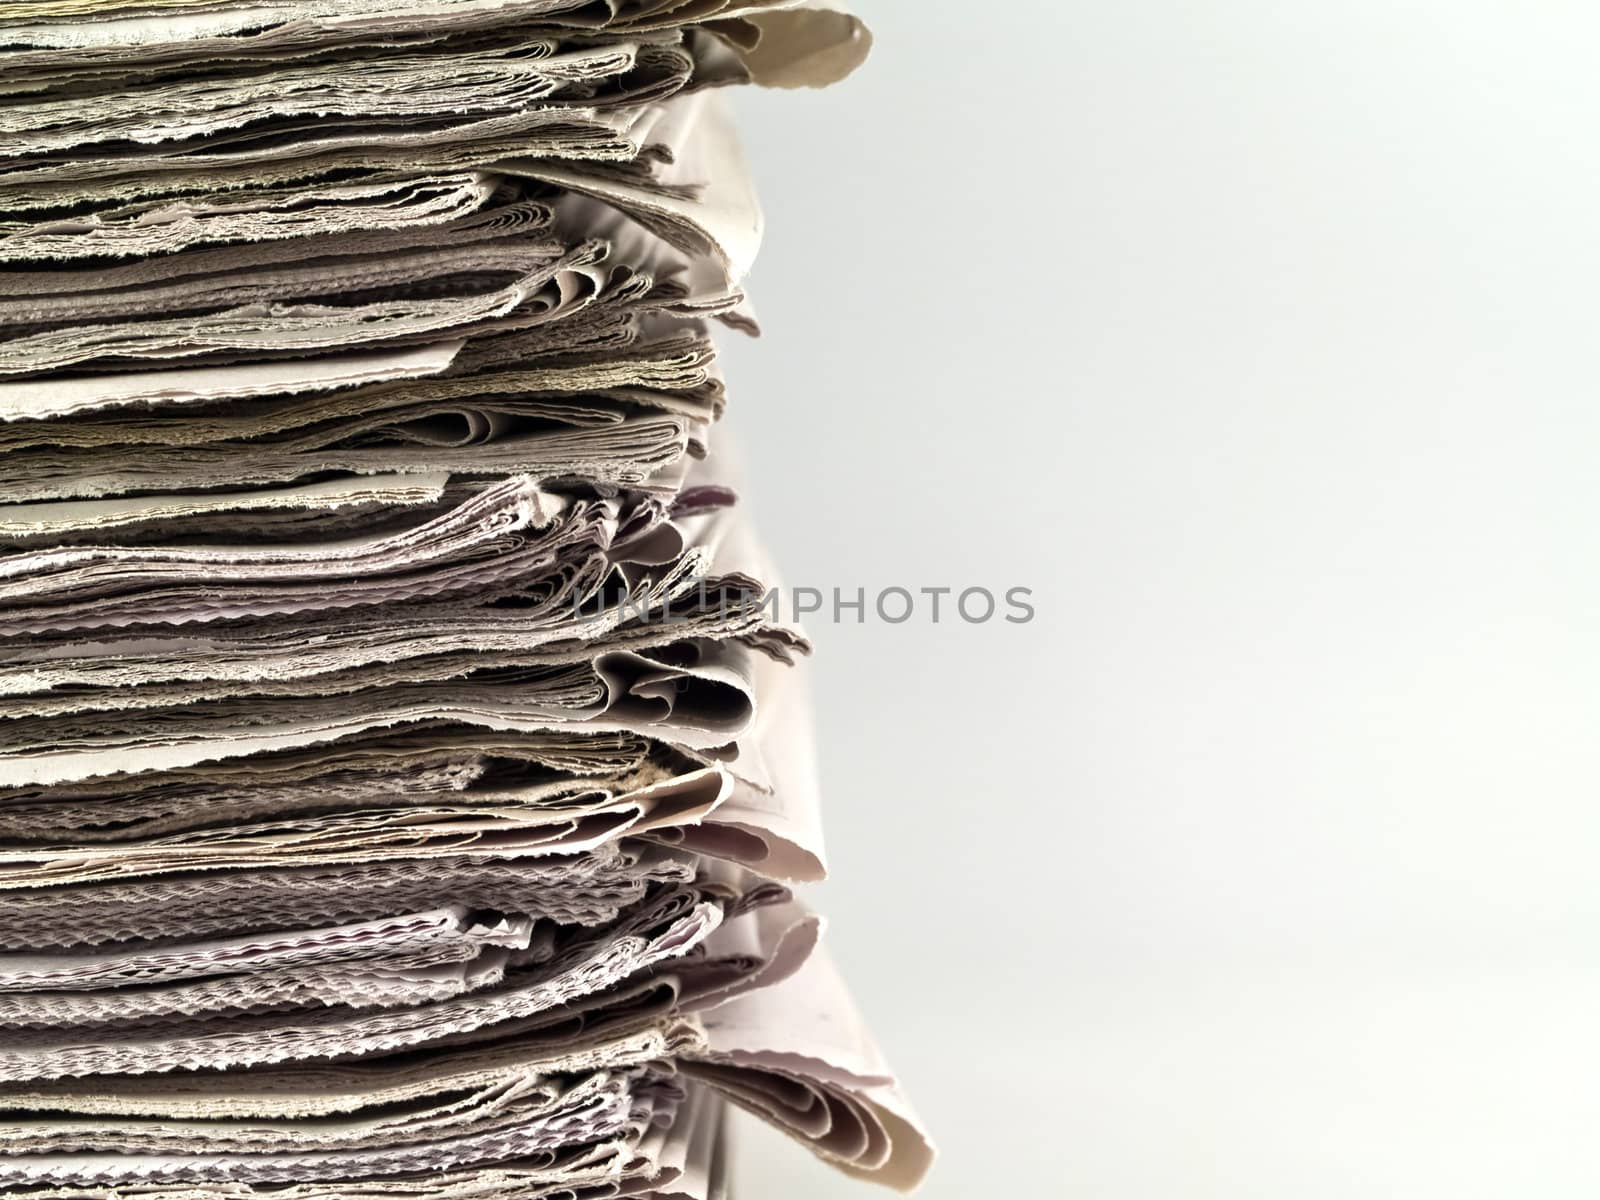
402 784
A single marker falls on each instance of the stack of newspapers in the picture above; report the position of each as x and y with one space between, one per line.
403 771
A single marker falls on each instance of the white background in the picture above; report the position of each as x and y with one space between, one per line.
1259 339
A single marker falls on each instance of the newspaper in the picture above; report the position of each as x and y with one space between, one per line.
800 1056
402 778
435 793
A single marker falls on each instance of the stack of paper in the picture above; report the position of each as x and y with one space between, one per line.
399 792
